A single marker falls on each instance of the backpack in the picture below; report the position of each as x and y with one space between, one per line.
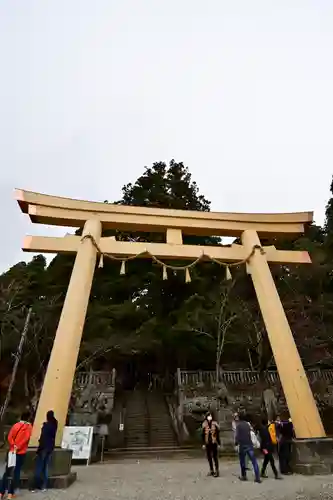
272 433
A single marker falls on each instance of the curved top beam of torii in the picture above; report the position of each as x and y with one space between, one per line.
59 211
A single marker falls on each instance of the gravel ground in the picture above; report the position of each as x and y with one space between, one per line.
180 480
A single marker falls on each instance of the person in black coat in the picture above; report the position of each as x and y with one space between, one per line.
286 436
267 449
44 451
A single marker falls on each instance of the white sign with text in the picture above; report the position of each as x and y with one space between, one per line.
79 440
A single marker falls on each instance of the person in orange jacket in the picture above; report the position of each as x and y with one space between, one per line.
18 440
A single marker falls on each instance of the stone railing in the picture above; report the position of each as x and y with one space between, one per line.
93 395
240 377
196 378
96 379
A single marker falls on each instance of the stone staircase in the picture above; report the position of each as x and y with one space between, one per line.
136 421
148 430
161 433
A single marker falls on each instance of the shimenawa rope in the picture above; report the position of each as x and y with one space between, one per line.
165 266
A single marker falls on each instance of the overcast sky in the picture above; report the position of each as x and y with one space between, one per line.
91 91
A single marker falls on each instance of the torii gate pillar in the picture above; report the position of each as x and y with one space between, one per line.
58 382
300 400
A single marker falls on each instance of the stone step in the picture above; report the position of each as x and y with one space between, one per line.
129 427
134 425
140 417
136 439
135 430
161 428
161 432
141 435
159 439
163 443
133 433
160 452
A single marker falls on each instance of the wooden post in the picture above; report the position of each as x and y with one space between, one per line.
300 400
60 373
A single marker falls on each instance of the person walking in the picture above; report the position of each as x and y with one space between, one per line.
272 432
267 449
243 441
286 435
234 426
18 440
211 442
44 451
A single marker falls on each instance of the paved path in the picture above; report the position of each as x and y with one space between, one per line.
182 480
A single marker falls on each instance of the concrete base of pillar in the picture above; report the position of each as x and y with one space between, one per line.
55 482
60 474
313 456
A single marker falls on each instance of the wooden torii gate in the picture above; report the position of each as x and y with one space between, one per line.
94 217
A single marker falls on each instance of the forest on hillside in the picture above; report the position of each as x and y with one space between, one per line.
168 323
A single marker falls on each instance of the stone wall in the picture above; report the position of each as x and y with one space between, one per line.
198 393
92 398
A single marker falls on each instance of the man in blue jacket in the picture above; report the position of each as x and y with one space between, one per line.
245 448
44 451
